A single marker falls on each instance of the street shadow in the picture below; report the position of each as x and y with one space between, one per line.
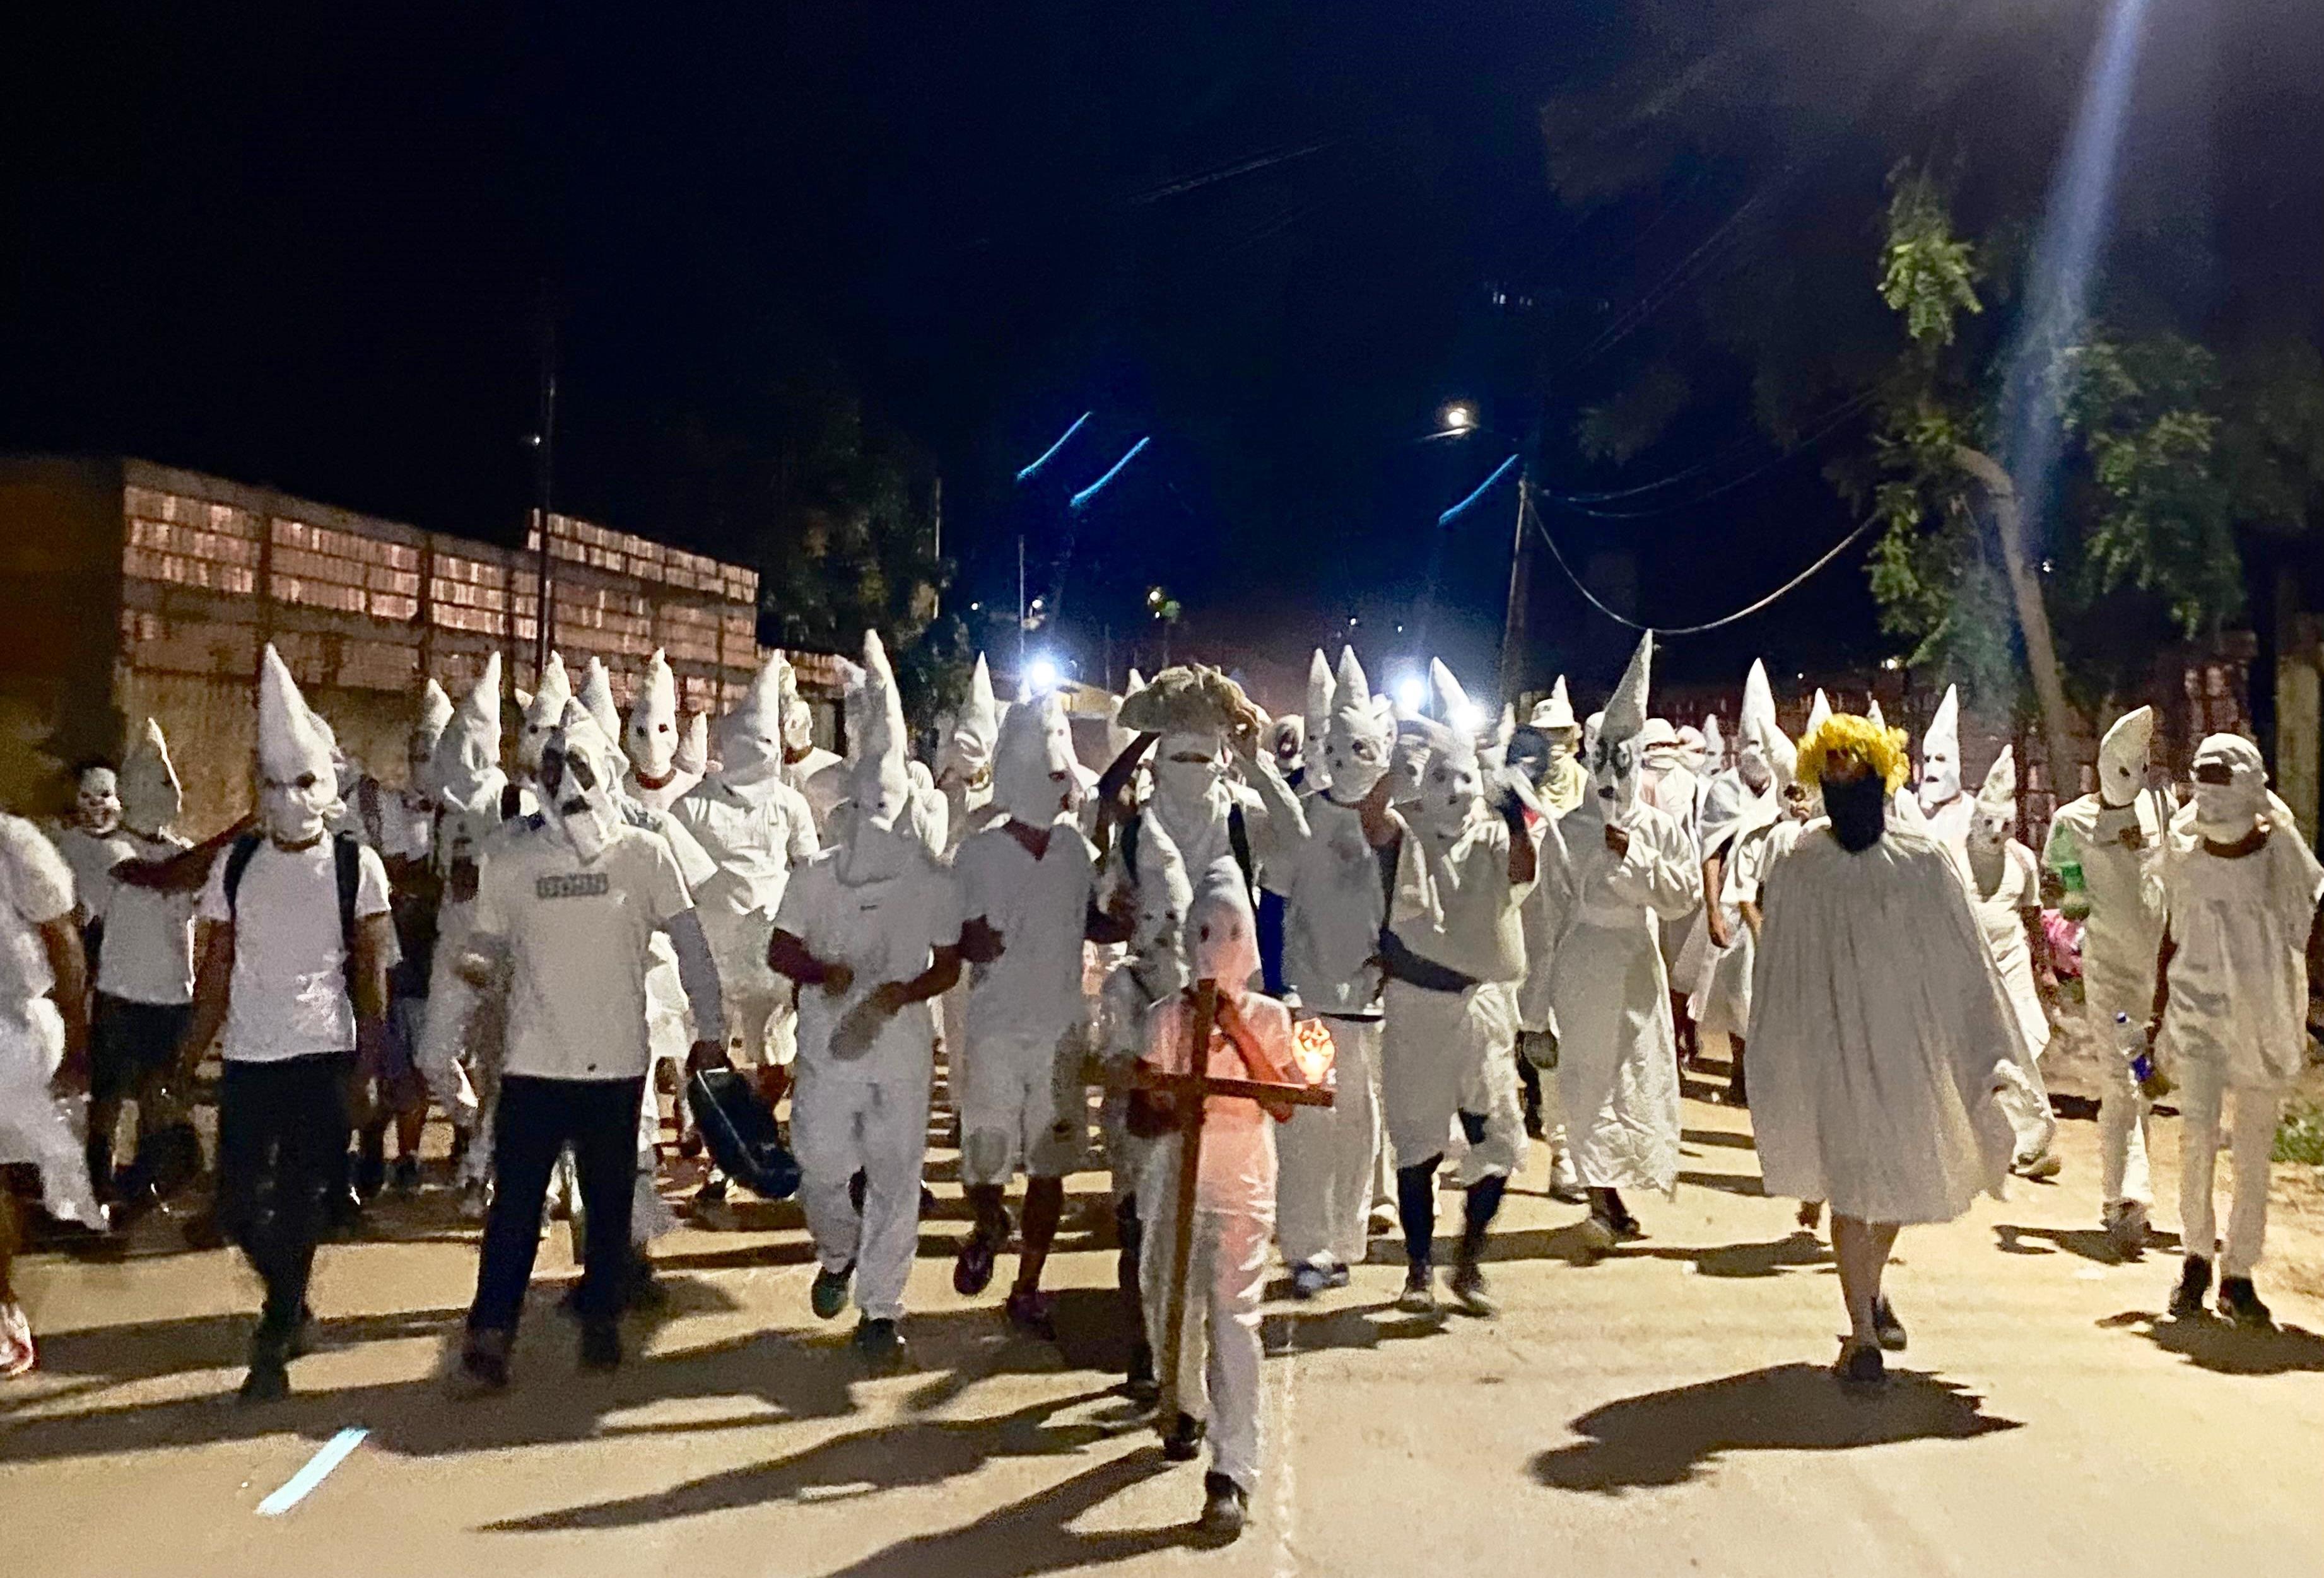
1287 1333
1034 1535
2225 1348
1720 1137
962 1347
1746 1184
2087 1244
1672 1437
915 1453
1800 1249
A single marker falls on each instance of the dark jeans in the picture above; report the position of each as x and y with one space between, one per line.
537 1118
283 1135
131 1048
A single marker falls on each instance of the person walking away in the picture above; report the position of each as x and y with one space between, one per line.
1718 955
1879 1030
567 908
2243 937
295 947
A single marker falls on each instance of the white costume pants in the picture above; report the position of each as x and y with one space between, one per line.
2124 1113
1324 1177
1445 1054
1219 1357
840 1126
2202 1090
1021 1108
36 1128
443 1026
2024 1100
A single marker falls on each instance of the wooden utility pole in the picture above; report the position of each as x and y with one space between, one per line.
2032 618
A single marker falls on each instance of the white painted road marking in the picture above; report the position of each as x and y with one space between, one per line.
319 1467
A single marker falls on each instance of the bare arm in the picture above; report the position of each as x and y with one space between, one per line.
942 974
213 976
787 955
1714 914
61 940
183 871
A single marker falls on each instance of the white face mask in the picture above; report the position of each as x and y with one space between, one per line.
1941 781
2225 813
1187 776
1988 828
1751 767
1355 754
1033 777
577 789
2121 757
1614 775
150 797
1452 793
653 746
299 812
96 807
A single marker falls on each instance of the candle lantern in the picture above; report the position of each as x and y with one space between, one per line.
1313 1048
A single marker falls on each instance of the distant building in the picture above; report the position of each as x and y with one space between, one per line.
129 589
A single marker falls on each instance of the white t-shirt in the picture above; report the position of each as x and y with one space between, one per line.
577 937
36 887
89 857
754 840
149 935
2239 972
884 930
288 997
1041 907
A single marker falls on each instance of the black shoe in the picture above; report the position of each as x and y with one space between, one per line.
2239 1302
600 1345
881 1343
370 1174
828 1297
268 1382
295 1343
1861 1369
404 1179
1466 1285
345 1210
1033 1312
1140 1386
1308 1280
1184 1441
2194 1281
1226 1507
1887 1327
1419 1295
484 1362
972 1273
640 1289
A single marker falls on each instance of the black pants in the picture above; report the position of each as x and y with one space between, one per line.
282 1134
537 1118
132 1046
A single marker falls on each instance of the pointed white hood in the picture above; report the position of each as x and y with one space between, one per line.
1462 716
652 740
965 739
692 756
1819 712
751 737
1941 766
466 770
1221 936
878 781
427 729
1035 779
150 794
1615 762
580 769
1359 735
1994 818
1714 744
296 766
1760 744
542 711
597 699
2121 757
1557 712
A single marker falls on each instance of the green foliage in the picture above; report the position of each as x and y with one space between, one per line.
1926 273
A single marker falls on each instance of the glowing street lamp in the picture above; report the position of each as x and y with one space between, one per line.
1041 674
1460 417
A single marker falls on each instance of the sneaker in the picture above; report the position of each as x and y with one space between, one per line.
370 1174
1139 1385
881 1343
1337 1275
1183 1443
474 1200
1861 1369
828 1297
972 1273
2194 1281
2040 1164
601 1346
1599 1236
404 1179
2126 1228
1379 1221
1419 1295
269 1380
710 1209
1466 1285
1033 1312
1887 1327
485 1362
1226 1507
1627 1229
2239 1302
17 1353
1308 1280
1565 1183
345 1210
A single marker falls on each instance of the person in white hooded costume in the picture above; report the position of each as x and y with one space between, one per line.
2004 893
1879 1030
567 908
655 734
2105 849
870 929
540 714
1218 1382
1317 855
1564 779
460 1045
1027 891
1453 952
1938 791
2244 902
1618 868
965 741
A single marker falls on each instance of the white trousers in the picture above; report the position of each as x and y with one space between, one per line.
37 1126
1219 1358
2124 1113
840 1126
2024 1100
1324 1175
1445 1054
2202 1094
444 1027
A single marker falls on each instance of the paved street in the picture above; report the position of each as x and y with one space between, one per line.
1666 1411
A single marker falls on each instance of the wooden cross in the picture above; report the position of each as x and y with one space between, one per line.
1191 1091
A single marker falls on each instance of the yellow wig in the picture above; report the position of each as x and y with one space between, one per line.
1844 736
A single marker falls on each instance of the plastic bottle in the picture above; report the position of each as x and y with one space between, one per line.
2130 1040
2065 858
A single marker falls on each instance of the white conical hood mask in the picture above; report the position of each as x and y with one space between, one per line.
965 739
1941 773
299 786
1759 737
751 737
1452 786
419 751
1615 762
1034 781
1158 937
1460 715
151 795
1819 711
542 710
1714 744
1358 737
877 779
597 699
578 770
1317 716
1222 935
692 756
652 742
1872 712
466 767
798 718
2225 813
2121 757
1994 818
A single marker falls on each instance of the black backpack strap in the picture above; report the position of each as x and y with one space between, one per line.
1129 846
1239 836
237 861
347 871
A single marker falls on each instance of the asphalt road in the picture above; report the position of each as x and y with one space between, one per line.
1666 1411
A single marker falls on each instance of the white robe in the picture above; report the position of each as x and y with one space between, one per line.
1878 1033
1618 1059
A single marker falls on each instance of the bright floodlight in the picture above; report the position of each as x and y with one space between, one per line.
1041 673
1459 417
1412 693
1467 718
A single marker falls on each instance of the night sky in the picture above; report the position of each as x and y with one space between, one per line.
312 249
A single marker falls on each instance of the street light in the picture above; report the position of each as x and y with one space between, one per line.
1041 674
1459 417
1412 694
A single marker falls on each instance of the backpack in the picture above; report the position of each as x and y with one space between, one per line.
346 863
1238 838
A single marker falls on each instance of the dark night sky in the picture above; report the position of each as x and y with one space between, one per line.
308 249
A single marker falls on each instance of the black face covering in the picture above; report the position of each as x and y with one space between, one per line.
1857 810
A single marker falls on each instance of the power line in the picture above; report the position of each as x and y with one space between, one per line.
1581 503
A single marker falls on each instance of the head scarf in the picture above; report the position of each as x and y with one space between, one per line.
2225 813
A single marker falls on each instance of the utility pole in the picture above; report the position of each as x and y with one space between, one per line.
1513 613
544 447
936 508
1020 608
